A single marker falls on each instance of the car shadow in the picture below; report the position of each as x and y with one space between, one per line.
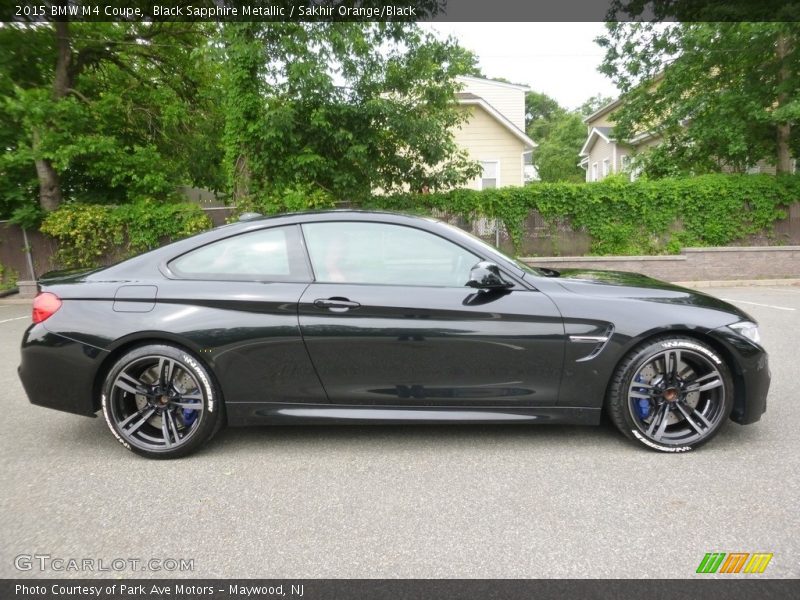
93 436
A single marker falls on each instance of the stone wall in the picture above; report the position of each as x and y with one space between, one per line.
693 264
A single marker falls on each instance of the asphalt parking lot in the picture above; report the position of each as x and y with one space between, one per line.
423 501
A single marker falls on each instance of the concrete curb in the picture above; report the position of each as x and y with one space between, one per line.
15 300
739 283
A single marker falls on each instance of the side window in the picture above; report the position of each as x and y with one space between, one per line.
265 255
379 253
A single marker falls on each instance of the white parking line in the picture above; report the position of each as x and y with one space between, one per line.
14 319
758 304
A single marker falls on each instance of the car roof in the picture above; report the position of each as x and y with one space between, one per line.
134 266
333 214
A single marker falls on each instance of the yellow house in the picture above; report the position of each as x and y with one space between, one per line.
494 133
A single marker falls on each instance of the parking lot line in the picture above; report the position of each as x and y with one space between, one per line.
15 319
758 304
791 291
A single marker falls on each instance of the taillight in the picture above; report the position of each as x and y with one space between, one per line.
45 306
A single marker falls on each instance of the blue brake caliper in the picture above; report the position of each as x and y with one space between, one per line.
190 414
642 404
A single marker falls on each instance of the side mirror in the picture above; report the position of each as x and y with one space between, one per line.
486 276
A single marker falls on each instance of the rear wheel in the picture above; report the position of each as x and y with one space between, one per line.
671 394
161 402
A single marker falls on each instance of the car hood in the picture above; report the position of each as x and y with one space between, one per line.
623 284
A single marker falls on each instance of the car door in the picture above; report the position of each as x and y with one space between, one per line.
388 320
236 299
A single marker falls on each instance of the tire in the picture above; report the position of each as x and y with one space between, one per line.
161 402
671 394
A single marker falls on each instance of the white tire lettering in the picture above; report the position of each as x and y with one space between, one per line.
199 372
647 442
697 347
110 426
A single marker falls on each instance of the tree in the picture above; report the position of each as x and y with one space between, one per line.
717 105
332 111
556 157
594 104
540 112
559 133
107 111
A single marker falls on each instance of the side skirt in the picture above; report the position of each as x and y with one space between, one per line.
246 413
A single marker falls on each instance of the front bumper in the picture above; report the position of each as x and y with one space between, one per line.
751 374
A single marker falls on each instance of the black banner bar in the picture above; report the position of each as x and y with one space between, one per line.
739 588
400 10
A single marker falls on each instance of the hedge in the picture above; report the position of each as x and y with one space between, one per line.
90 234
628 218
622 217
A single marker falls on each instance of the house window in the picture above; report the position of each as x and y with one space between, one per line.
606 167
594 172
626 167
491 174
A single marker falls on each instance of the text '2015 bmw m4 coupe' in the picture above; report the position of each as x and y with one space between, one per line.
347 316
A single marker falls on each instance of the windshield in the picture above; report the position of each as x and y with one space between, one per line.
492 251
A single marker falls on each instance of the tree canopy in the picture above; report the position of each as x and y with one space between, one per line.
337 110
106 112
723 95
559 133
119 112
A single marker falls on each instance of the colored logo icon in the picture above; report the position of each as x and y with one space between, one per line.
734 562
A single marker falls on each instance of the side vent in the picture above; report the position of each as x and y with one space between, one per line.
588 346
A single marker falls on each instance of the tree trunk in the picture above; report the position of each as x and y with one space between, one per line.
784 130
61 84
49 182
241 180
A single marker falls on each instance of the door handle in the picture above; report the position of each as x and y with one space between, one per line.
336 304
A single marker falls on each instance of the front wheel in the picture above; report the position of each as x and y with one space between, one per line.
161 402
671 394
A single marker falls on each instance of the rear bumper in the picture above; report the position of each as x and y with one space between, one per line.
57 372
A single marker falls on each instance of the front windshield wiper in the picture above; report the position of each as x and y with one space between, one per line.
549 272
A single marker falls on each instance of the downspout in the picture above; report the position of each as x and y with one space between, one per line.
28 258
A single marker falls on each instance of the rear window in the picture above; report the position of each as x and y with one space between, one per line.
273 254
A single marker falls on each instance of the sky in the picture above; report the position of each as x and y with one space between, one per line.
559 59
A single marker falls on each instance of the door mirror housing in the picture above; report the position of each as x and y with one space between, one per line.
486 276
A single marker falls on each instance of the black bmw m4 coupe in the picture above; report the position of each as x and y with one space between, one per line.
347 316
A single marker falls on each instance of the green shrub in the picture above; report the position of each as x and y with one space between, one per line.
8 278
643 217
89 233
298 197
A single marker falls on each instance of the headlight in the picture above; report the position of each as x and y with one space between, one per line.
748 329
